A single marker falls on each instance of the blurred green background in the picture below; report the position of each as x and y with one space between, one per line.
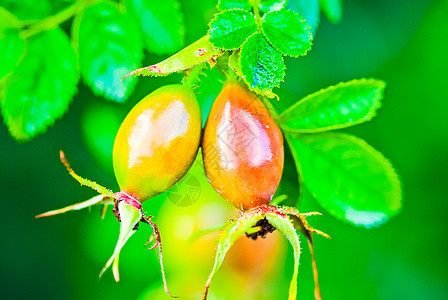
402 42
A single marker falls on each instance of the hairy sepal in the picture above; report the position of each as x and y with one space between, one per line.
244 223
199 52
130 216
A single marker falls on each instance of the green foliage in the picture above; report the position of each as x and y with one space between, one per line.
231 28
162 23
308 9
343 105
287 32
332 9
272 5
189 57
261 65
11 43
41 86
28 9
229 4
349 178
109 46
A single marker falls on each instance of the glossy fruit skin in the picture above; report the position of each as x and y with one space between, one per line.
242 148
157 141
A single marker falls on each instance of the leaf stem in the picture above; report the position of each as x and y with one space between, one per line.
58 18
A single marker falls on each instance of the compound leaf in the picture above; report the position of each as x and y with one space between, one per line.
261 65
109 46
343 105
162 23
287 32
349 178
230 28
41 87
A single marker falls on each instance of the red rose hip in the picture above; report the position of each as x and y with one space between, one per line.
242 148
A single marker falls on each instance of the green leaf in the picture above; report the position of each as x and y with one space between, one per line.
272 5
308 9
189 57
130 216
233 230
109 47
9 20
283 225
28 9
287 32
41 87
162 24
262 66
229 4
11 44
343 105
229 29
349 178
332 9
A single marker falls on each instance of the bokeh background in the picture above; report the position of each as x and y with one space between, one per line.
402 42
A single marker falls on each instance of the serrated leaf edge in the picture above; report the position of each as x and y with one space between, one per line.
225 11
75 39
50 122
378 156
266 93
369 116
303 21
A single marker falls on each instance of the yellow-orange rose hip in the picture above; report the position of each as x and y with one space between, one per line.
157 142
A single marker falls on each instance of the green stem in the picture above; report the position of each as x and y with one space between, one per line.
60 17
192 76
256 7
